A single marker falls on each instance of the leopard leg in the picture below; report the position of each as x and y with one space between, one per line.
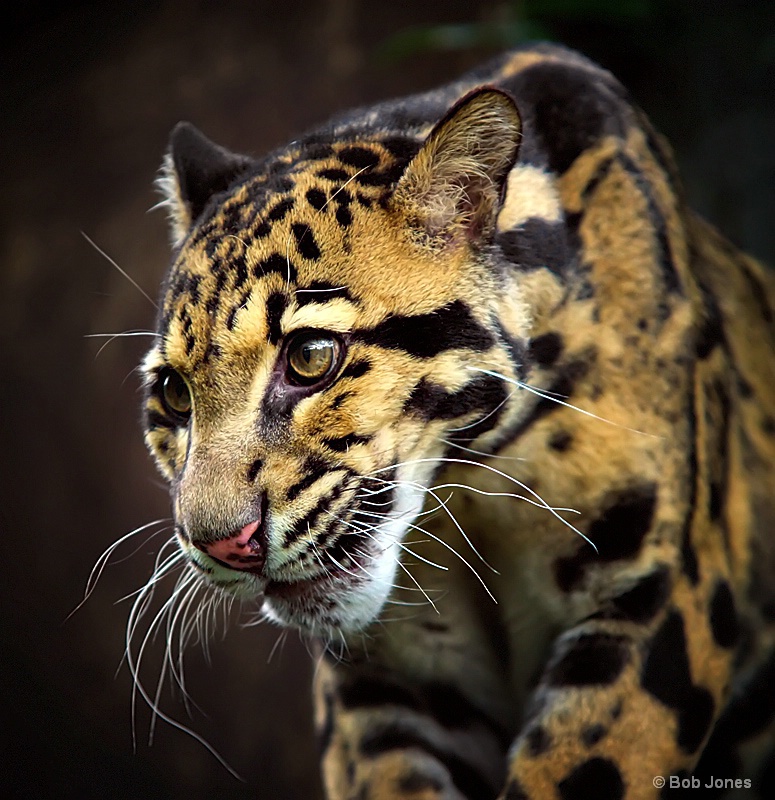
621 705
385 737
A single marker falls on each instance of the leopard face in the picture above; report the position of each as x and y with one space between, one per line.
330 327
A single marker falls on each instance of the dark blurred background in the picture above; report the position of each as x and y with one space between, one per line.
89 92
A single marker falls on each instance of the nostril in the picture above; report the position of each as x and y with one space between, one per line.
246 536
245 549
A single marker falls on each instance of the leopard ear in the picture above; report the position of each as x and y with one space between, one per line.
194 169
454 184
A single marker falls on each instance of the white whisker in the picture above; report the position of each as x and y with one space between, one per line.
123 272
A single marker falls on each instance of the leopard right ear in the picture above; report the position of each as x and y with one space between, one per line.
194 169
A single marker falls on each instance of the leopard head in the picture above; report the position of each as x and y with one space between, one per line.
320 345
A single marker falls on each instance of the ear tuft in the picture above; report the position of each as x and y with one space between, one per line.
454 183
194 169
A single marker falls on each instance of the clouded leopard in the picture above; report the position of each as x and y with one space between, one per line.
459 386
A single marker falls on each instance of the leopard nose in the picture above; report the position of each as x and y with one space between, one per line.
244 550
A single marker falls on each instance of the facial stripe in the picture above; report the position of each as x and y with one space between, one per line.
426 335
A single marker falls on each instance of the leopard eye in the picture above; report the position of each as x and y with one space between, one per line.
311 357
175 394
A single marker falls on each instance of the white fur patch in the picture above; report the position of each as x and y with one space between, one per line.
530 192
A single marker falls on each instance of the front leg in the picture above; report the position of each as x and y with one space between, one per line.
384 737
629 696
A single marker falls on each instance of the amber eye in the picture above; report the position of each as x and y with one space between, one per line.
175 394
311 356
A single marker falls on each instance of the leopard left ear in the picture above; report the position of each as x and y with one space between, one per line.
194 169
454 184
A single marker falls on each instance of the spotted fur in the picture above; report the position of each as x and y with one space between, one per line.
528 321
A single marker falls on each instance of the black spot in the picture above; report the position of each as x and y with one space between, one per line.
644 601
316 198
253 470
572 110
276 263
723 616
275 306
344 216
592 734
598 778
594 659
546 348
487 394
305 241
537 741
560 441
401 148
538 244
280 210
667 677
342 197
336 175
385 177
356 369
359 157
262 230
363 200
620 529
426 335
617 533
342 444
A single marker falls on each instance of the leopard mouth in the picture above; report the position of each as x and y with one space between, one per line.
349 558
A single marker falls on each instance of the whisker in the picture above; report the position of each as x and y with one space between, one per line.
547 396
123 272
506 476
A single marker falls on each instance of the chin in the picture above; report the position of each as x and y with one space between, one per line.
340 604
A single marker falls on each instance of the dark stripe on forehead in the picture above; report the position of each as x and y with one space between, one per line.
322 292
275 306
426 335
280 264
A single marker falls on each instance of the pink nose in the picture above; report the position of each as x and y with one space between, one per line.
244 551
